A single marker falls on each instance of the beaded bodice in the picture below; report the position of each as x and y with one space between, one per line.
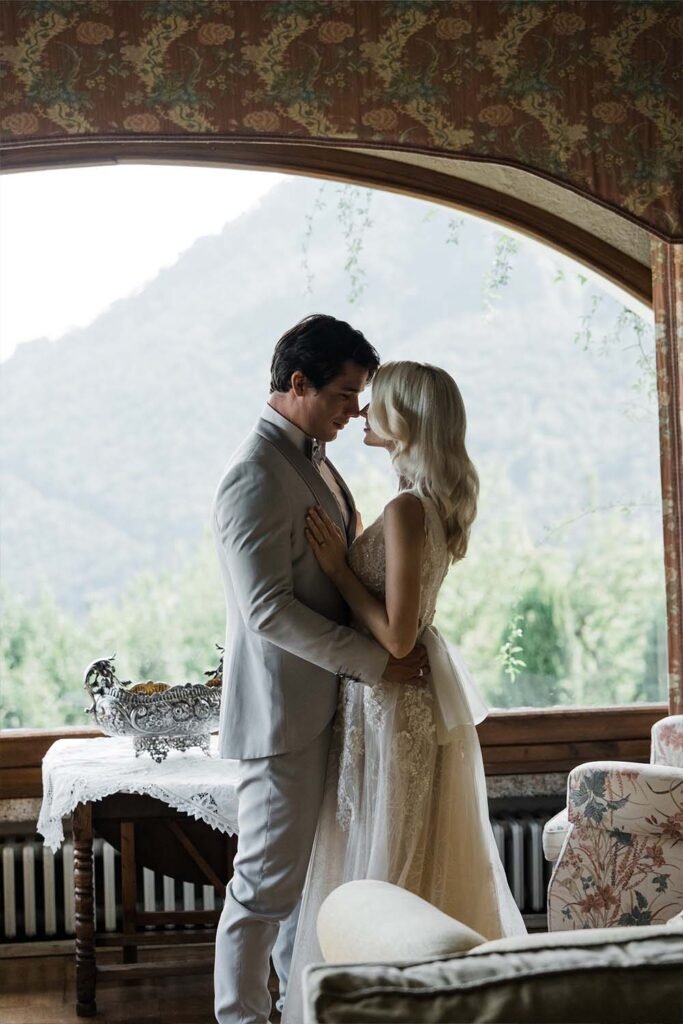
367 558
387 720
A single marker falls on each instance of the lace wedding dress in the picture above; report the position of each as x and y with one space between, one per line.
405 795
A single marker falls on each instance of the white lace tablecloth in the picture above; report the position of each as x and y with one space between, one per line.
81 771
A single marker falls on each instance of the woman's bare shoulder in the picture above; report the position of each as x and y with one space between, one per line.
405 511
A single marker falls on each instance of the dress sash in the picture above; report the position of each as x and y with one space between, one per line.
457 700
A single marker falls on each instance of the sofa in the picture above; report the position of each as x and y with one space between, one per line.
391 957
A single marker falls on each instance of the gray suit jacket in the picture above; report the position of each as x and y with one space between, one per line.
287 641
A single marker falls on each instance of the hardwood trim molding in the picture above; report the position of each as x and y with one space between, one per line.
667 267
513 742
557 739
340 164
21 756
26 748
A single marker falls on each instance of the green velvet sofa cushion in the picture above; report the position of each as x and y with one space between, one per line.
599 976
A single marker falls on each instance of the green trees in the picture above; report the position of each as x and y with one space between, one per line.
582 625
31 671
547 625
542 649
164 627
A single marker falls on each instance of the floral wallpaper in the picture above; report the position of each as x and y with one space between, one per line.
586 93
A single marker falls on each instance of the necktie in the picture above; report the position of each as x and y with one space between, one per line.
315 450
316 453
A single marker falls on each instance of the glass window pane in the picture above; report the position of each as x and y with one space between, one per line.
140 309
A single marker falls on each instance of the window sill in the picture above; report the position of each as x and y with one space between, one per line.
533 740
524 741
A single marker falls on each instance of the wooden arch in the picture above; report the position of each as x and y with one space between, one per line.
627 264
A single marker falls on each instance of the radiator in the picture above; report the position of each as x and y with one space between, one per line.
38 899
38 892
519 838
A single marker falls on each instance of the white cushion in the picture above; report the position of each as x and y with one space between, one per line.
554 834
374 922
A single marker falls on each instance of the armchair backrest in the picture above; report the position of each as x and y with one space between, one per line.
667 741
622 861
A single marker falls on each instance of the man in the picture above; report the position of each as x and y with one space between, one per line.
287 646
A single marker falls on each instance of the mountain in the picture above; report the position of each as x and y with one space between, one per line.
113 438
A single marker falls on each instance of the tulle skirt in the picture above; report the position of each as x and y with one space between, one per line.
405 802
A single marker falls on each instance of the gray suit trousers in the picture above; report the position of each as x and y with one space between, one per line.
279 803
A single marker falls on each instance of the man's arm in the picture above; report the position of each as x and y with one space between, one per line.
254 524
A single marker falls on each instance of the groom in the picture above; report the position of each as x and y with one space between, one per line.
287 645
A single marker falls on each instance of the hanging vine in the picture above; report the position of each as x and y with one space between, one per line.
510 650
319 203
353 215
641 341
455 226
501 268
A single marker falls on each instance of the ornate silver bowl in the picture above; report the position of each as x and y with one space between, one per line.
158 716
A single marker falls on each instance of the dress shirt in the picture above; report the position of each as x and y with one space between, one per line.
301 440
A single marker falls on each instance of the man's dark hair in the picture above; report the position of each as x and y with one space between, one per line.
318 346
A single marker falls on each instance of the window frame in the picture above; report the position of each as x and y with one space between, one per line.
516 741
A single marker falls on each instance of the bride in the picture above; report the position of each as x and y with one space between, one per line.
405 794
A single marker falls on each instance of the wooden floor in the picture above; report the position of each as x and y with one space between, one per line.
41 990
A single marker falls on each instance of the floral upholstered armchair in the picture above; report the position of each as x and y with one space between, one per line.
666 748
621 860
667 741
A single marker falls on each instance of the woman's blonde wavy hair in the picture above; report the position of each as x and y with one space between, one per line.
419 409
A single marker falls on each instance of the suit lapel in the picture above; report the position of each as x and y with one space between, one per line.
353 511
305 469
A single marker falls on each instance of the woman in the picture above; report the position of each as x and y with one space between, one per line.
405 798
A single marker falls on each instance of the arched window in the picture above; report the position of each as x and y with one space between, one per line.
115 430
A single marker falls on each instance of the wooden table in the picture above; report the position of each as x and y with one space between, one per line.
146 831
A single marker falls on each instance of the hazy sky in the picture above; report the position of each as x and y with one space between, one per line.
74 240
55 271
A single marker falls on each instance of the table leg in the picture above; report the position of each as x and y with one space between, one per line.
84 912
129 889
